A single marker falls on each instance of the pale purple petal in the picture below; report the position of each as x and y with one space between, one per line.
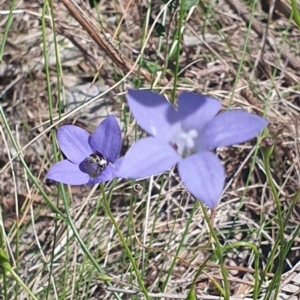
74 143
196 110
117 165
68 173
151 111
147 157
108 174
231 127
107 139
203 175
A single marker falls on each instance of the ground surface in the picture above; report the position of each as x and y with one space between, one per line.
246 60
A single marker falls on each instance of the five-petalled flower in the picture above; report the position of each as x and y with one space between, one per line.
185 137
91 159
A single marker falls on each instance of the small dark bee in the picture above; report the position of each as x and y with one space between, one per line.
98 163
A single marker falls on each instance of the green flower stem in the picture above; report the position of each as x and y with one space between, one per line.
199 271
179 247
18 279
267 151
256 263
280 241
225 249
127 250
81 242
4 291
295 10
24 165
7 27
219 252
179 37
291 209
4 263
4 278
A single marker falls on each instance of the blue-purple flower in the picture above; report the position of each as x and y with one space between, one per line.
91 159
185 137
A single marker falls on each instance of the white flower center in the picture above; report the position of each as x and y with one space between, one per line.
184 142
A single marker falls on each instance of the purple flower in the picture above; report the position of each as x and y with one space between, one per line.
184 136
91 159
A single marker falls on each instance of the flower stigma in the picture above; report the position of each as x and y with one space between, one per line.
184 142
93 165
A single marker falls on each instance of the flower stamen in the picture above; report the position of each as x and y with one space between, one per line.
184 142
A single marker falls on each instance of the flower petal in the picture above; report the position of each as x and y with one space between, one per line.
108 174
107 139
231 127
196 110
203 175
68 173
117 165
148 156
151 111
74 143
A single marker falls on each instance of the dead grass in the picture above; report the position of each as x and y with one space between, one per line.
212 50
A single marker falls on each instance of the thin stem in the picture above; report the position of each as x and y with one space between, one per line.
127 250
280 241
199 271
24 165
4 284
274 192
219 254
295 10
81 242
179 34
256 262
18 279
7 27
179 247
